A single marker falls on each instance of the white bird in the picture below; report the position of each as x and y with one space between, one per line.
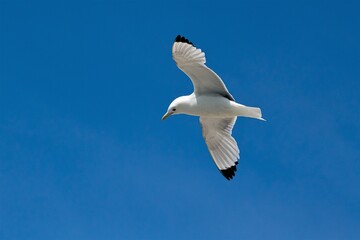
213 103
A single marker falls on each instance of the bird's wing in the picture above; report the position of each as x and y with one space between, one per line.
222 146
191 61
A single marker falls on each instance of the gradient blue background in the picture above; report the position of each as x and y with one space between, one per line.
84 154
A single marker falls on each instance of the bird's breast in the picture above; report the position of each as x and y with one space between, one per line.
212 106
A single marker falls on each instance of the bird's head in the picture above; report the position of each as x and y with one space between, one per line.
176 107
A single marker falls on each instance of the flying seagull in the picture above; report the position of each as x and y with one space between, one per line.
213 103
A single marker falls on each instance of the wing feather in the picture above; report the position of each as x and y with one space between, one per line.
222 146
191 61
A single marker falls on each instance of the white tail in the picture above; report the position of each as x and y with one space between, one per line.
252 112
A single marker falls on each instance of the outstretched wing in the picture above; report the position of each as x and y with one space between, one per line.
222 146
191 61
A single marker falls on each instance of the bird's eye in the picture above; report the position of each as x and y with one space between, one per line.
174 109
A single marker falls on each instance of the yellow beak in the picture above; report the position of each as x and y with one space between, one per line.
166 115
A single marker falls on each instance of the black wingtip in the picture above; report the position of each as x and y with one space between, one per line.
229 173
180 38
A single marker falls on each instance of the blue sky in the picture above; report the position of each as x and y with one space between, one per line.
84 154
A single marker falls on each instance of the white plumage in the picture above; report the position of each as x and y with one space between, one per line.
213 103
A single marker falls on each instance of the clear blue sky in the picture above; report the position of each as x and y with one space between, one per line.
84 154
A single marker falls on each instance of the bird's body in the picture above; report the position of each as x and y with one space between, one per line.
213 103
214 106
